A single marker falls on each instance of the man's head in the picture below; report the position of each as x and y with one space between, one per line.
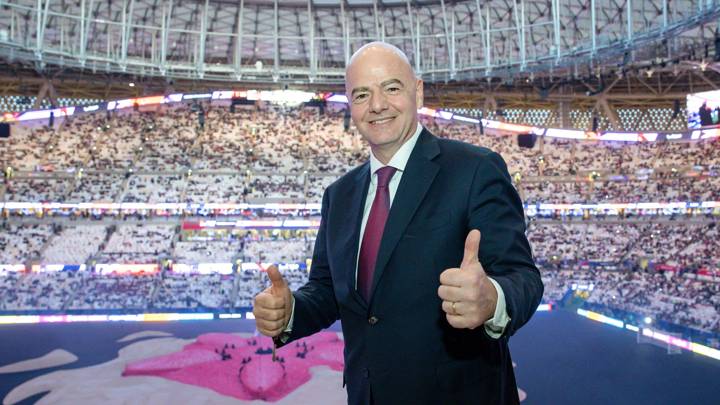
384 95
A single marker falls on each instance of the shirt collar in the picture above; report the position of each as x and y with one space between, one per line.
400 158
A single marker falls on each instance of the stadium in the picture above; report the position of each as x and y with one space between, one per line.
158 156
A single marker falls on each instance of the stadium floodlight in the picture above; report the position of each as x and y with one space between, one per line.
648 320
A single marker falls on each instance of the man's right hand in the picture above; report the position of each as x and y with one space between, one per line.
272 308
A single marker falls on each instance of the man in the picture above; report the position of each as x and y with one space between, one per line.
426 307
705 114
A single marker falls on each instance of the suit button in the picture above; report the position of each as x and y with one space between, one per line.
372 320
366 373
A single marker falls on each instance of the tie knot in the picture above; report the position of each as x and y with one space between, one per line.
384 175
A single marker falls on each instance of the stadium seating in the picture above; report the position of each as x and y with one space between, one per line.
657 267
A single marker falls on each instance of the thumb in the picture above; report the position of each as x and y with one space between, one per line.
472 246
277 280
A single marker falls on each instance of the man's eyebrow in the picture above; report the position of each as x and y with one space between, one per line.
391 81
383 84
359 89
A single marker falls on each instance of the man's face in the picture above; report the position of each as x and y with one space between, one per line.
384 96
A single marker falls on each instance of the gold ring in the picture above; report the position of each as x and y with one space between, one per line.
453 308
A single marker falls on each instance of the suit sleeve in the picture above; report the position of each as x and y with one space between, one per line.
496 210
315 304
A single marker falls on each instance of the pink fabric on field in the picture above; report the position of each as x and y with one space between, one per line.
248 371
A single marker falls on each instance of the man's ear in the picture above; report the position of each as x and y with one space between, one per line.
419 93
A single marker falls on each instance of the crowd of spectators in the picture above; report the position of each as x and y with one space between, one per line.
316 185
140 243
686 189
684 244
94 187
207 251
679 244
276 187
216 188
19 243
254 153
662 296
73 291
194 291
249 284
37 189
666 298
38 291
265 153
74 244
102 292
278 251
154 189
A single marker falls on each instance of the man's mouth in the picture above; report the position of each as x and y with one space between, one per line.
381 121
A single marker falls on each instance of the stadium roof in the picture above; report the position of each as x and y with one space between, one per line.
271 40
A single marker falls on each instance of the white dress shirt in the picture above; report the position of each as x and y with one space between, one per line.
494 326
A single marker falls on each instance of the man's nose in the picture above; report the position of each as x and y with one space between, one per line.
378 102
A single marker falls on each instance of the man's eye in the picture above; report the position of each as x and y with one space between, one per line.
393 89
360 97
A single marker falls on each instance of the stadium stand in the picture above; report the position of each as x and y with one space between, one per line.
664 266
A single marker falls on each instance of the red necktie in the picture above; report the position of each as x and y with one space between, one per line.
374 231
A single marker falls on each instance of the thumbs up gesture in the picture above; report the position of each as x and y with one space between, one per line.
272 308
469 298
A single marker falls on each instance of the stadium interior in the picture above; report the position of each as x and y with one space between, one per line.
157 156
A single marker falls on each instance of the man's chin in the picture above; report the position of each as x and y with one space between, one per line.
383 143
381 137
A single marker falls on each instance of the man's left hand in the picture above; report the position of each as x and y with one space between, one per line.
469 298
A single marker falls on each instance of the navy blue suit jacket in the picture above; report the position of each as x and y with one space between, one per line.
399 347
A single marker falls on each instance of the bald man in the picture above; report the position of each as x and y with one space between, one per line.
421 254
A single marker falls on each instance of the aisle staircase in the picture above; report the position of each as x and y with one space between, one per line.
47 244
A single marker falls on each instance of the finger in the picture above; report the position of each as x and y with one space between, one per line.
472 246
451 277
449 293
269 332
268 301
259 326
270 326
456 321
277 280
457 294
268 314
451 309
273 333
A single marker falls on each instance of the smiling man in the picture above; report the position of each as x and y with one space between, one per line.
421 254
384 95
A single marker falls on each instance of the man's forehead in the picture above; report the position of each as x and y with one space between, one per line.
379 80
376 76
384 51
377 62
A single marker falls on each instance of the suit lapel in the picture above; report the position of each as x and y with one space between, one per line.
417 178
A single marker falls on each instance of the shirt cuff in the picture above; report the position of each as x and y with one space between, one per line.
284 336
495 326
